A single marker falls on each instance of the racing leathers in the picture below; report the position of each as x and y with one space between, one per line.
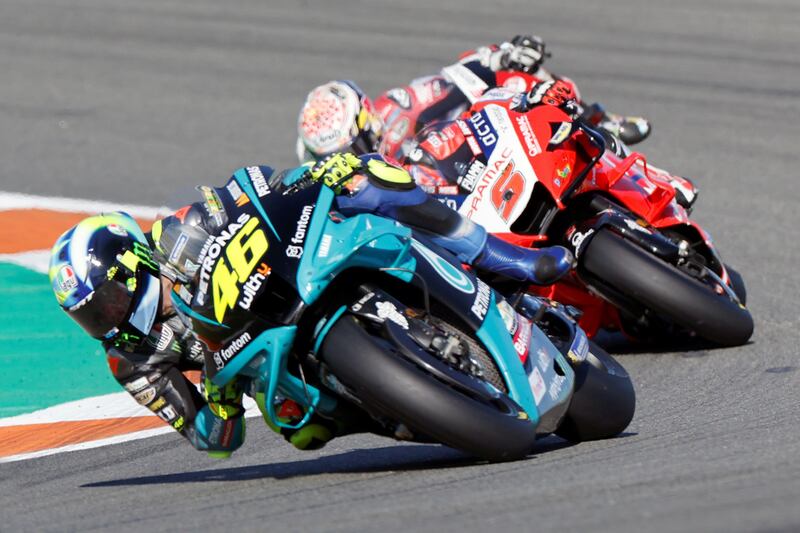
514 65
150 369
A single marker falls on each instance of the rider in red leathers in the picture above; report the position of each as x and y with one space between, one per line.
398 114
339 116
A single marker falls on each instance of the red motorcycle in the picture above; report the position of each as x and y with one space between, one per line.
537 177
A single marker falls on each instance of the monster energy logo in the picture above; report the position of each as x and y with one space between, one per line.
145 255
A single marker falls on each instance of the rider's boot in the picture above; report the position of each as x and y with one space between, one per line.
315 434
631 130
685 191
542 266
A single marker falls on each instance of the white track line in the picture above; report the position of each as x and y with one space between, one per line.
114 405
15 200
119 439
36 260
89 445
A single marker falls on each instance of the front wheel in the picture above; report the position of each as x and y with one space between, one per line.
376 373
604 401
663 288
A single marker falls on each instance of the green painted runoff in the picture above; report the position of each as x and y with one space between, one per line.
45 358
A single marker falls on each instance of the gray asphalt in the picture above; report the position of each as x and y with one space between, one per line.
135 101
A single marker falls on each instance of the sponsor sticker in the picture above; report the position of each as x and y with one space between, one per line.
398 130
234 189
146 396
470 178
556 386
484 131
177 249
537 385
137 384
561 134
234 347
482 300
165 339
531 142
356 307
300 233
400 96
324 246
66 281
577 239
258 180
167 414
211 250
388 311
117 230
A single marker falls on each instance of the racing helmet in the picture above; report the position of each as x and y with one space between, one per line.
337 117
104 277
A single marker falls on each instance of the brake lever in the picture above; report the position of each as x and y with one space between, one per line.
299 185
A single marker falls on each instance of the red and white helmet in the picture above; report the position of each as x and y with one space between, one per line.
337 117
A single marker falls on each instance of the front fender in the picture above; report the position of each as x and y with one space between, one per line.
633 229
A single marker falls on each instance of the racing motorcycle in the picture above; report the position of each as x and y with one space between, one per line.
536 176
361 319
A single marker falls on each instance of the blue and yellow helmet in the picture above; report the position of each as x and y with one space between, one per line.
104 276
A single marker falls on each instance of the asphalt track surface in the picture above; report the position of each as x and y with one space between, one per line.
133 101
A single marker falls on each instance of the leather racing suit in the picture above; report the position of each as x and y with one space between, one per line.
151 370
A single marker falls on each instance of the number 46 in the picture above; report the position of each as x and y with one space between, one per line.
243 257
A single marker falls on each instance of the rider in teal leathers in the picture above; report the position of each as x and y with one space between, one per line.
115 281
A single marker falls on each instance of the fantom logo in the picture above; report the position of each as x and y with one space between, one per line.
226 354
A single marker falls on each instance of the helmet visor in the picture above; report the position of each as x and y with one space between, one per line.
104 310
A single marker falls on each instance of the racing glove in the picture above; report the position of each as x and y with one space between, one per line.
525 53
225 402
336 170
557 93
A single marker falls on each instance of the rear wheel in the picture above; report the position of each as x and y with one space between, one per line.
604 401
666 290
378 374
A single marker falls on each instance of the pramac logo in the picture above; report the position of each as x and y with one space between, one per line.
451 274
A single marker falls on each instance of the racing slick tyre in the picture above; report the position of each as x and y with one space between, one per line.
604 401
666 290
381 378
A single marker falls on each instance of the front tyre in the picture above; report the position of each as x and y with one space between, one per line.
380 377
669 292
604 401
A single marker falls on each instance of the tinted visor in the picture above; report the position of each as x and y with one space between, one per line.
107 309
363 144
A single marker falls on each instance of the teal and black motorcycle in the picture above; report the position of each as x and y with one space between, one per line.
365 319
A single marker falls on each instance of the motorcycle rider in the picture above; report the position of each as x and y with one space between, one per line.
122 287
338 114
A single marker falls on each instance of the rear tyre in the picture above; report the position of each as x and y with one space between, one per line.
604 401
380 377
666 290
